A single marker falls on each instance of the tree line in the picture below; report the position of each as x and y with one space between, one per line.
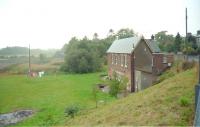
89 55
175 44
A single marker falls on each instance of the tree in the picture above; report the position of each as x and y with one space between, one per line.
81 56
95 36
43 58
192 40
125 33
118 85
177 43
110 32
165 41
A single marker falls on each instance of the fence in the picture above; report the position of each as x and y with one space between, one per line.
186 57
197 106
197 101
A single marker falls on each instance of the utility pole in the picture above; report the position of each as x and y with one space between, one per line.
186 23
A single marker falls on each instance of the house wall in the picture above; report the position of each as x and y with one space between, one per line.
159 64
143 66
143 57
121 70
143 80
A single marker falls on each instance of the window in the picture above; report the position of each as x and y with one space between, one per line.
164 59
122 60
119 59
112 58
116 59
126 64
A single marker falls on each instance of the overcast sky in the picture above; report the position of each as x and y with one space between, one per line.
51 23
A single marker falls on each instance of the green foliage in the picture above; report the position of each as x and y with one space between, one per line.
14 51
85 55
168 43
177 43
125 33
165 41
117 85
184 101
165 75
188 49
43 58
72 110
23 51
82 56
114 87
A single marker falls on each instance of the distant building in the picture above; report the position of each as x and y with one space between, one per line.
138 59
198 38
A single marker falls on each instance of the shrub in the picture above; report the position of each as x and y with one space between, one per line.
117 85
72 110
48 121
114 87
188 65
184 101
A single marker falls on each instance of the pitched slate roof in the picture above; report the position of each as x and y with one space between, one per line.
125 45
153 45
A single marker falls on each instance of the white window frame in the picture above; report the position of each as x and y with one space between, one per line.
112 58
122 60
126 64
116 59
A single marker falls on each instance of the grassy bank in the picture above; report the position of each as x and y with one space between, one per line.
170 102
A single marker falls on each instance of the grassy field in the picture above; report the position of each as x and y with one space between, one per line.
170 102
47 96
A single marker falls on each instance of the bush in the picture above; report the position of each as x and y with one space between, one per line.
81 56
72 110
188 65
184 101
114 87
117 85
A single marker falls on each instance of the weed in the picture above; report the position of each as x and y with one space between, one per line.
184 101
72 110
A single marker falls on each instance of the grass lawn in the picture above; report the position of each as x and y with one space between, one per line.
48 96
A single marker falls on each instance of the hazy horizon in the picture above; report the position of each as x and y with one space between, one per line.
49 24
